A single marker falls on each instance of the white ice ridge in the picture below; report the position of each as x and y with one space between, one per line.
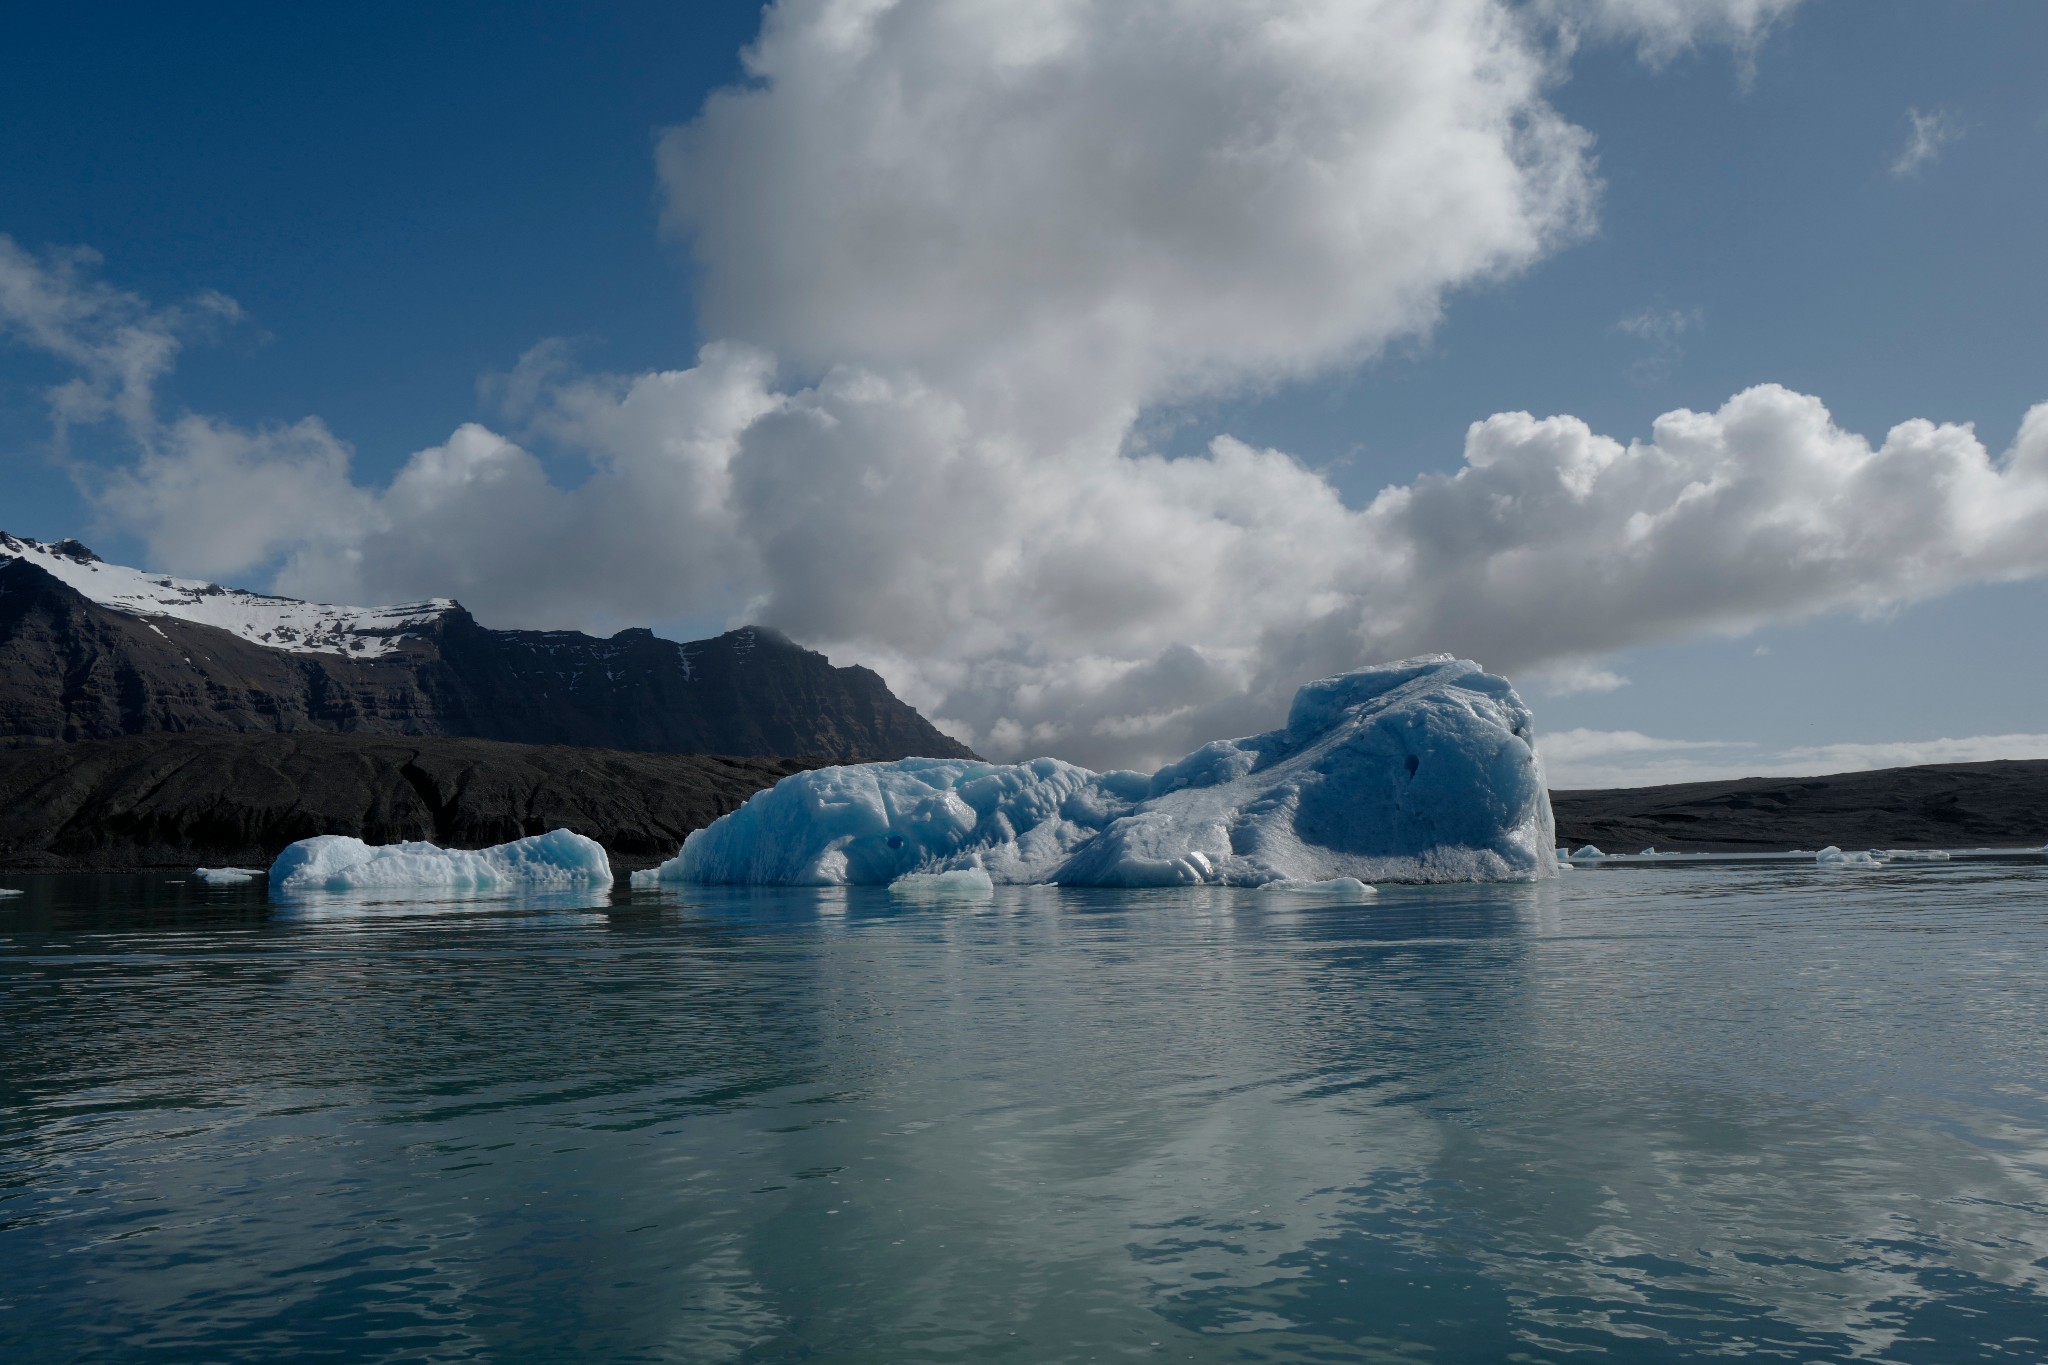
333 862
1834 857
278 622
1420 771
226 876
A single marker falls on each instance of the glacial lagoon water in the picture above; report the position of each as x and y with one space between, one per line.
1640 1113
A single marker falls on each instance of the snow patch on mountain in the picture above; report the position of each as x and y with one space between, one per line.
275 622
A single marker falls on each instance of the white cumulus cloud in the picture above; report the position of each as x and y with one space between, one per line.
1060 212
956 252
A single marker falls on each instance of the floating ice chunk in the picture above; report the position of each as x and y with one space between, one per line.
6 891
1420 771
1335 886
1648 853
965 883
1588 851
1834 857
226 876
1911 855
334 862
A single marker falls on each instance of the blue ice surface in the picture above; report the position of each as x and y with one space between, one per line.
333 862
1419 771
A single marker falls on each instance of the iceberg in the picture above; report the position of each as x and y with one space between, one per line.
1588 851
226 876
334 862
1834 857
6 891
1420 771
1336 886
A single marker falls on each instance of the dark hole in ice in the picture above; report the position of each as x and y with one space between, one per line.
895 841
1413 764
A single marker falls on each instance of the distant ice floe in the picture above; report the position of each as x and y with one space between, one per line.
1420 771
1335 886
226 876
1588 851
969 883
560 860
6 891
1834 857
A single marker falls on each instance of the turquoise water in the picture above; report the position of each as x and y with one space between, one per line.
1645 1113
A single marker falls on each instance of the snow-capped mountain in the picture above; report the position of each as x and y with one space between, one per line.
91 650
277 622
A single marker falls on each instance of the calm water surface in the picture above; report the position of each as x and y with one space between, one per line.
1650 1113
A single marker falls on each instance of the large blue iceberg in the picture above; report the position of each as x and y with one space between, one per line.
1420 771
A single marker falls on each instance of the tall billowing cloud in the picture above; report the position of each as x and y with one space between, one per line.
956 251
1066 210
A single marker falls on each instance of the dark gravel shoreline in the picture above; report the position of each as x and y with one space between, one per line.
170 800
1944 805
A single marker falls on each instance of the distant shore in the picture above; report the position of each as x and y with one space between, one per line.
184 800
1944 805
165 800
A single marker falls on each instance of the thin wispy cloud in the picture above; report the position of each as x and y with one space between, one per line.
1657 330
1582 759
1930 133
1572 678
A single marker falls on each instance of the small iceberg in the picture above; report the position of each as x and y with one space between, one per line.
1911 855
1335 886
1421 771
1834 857
967 883
331 862
1588 851
226 876
6 891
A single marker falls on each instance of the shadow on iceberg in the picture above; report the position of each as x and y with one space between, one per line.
1420 771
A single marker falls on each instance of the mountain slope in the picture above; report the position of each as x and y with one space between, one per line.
139 654
220 799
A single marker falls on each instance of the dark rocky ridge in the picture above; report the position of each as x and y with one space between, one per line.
1945 805
225 800
72 669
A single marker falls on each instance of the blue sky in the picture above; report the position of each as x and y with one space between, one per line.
403 202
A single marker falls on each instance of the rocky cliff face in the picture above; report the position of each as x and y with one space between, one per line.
91 651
